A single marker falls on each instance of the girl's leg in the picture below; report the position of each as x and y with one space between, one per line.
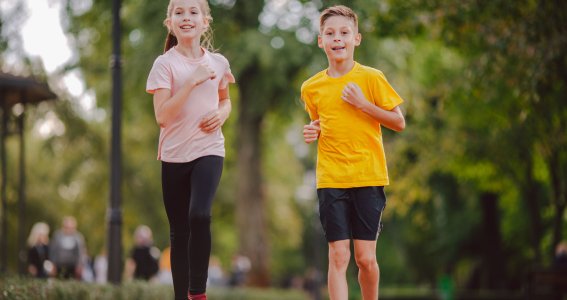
368 271
176 191
204 182
339 256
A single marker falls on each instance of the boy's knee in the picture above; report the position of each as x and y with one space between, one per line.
366 262
339 257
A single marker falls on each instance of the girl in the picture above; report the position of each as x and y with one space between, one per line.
189 84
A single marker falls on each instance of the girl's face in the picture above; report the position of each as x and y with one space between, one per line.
187 20
338 38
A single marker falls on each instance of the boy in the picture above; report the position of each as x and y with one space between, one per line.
347 103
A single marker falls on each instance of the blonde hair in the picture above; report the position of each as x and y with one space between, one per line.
337 10
143 234
38 230
206 38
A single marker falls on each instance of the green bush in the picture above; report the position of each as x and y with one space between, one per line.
25 289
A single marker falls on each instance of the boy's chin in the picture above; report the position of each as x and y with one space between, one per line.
339 59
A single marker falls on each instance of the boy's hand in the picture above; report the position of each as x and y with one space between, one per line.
201 74
353 95
311 131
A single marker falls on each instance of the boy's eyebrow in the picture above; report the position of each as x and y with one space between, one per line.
339 28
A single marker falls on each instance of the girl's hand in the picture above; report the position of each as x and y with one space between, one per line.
353 95
311 131
201 74
212 121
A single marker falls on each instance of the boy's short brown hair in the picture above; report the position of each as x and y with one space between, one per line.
338 10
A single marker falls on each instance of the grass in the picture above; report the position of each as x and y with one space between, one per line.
19 288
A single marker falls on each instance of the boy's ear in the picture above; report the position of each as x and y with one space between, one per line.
357 39
319 41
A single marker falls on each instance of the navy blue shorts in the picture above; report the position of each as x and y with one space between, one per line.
351 213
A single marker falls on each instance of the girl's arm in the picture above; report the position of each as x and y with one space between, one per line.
215 119
167 106
393 119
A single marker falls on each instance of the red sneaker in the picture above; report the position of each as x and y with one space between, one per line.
198 297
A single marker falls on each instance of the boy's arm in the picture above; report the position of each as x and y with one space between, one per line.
311 131
393 119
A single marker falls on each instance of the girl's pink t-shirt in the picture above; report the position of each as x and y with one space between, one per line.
182 140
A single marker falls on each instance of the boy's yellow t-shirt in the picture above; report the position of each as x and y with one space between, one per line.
350 152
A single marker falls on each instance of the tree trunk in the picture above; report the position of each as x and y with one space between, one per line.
558 189
250 201
530 192
493 260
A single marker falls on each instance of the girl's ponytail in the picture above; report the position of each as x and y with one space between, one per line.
170 41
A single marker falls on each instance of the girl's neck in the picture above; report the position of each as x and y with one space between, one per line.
190 49
339 68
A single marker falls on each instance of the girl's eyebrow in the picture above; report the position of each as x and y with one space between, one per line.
181 8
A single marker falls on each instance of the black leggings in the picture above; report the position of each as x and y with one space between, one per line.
188 192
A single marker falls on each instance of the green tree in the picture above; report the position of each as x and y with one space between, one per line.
518 70
265 84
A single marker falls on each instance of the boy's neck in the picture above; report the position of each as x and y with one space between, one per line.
339 68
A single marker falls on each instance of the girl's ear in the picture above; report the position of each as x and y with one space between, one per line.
167 23
206 22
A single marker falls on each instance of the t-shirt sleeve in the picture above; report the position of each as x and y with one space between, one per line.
227 76
226 79
159 77
309 105
384 95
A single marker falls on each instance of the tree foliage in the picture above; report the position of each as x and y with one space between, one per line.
482 153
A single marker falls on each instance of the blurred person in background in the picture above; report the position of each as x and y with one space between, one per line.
39 265
560 258
143 261
67 250
164 274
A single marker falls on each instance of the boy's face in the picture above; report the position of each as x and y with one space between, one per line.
338 38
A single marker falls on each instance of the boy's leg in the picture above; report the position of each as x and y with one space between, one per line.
368 203
334 211
339 256
368 271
